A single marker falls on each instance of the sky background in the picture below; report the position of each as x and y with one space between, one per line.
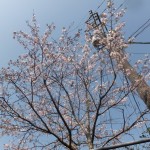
15 13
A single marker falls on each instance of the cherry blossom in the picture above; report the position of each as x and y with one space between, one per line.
65 94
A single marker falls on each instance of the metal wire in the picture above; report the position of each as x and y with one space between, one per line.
140 29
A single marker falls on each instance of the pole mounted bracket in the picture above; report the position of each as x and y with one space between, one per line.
94 21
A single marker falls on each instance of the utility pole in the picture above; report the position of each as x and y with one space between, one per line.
142 88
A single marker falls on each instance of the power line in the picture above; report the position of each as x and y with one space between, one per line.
121 5
141 29
125 144
100 4
139 53
81 22
116 8
138 43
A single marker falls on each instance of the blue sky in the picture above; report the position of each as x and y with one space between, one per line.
15 13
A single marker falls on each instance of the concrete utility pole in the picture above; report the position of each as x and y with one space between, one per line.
142 88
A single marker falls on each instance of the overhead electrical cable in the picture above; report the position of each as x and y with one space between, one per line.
140 29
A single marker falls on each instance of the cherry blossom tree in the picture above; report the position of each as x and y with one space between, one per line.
66 94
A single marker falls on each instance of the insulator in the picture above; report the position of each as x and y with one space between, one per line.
95 41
